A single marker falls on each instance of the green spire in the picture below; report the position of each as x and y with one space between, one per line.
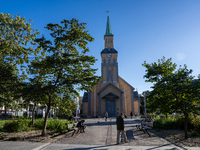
108 28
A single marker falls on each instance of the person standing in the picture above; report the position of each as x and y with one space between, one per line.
131 114
120 128
106 116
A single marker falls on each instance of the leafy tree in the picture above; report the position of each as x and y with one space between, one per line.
15 35
175 91
30 93
66 68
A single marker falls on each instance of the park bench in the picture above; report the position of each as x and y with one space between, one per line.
146 124
72 127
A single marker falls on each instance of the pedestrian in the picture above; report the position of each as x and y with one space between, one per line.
81 125
106 116
120 128
131 114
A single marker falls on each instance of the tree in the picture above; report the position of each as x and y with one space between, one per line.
66 68
30 93
174 91
15 35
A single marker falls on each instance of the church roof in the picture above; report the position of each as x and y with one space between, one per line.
127 83
109 50
108 28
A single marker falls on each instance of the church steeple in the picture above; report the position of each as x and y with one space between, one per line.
108 37
108 28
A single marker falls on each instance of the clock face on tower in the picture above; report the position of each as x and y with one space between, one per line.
109 55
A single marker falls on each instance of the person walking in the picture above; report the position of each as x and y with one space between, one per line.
131 114
120 128
106 116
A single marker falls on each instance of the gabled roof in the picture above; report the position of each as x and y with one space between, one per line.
107 86
126 83
110 94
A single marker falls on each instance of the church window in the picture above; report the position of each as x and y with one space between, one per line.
106 40
109 62
114 62
104 62
109 74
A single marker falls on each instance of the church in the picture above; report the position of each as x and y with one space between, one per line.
113 94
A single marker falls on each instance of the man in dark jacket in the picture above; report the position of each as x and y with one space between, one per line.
120 128
81 125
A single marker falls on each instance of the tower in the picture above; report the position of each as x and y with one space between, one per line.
109 63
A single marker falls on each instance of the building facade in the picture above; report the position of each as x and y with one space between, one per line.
113 94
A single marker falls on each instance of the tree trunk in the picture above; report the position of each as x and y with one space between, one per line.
166 116
5 110
33 115
185 126
45 120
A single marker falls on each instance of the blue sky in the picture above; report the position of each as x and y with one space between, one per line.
144 30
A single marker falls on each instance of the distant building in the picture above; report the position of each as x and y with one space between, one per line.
113 94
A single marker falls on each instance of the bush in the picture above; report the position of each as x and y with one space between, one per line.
17 125
1 124
165 123
177 122
39 123
194 133
52 124
20 124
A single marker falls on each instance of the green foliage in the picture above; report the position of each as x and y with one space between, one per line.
194 133
66 69
176 90
56 124
15 36
52 124
177 122
39 123
163 123
18 125
1 124
21 125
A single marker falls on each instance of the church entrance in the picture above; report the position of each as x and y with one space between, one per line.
110 107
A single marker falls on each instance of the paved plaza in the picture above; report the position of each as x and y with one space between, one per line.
101 135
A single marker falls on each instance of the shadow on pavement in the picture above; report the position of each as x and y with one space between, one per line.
100 123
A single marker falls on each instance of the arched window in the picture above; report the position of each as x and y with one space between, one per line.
109 62
114 62
104 62
109 74
106 40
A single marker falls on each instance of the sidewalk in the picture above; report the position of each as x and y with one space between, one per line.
47 146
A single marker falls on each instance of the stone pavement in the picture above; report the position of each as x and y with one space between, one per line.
101 135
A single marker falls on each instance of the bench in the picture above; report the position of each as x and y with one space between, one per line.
72 127
145 126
